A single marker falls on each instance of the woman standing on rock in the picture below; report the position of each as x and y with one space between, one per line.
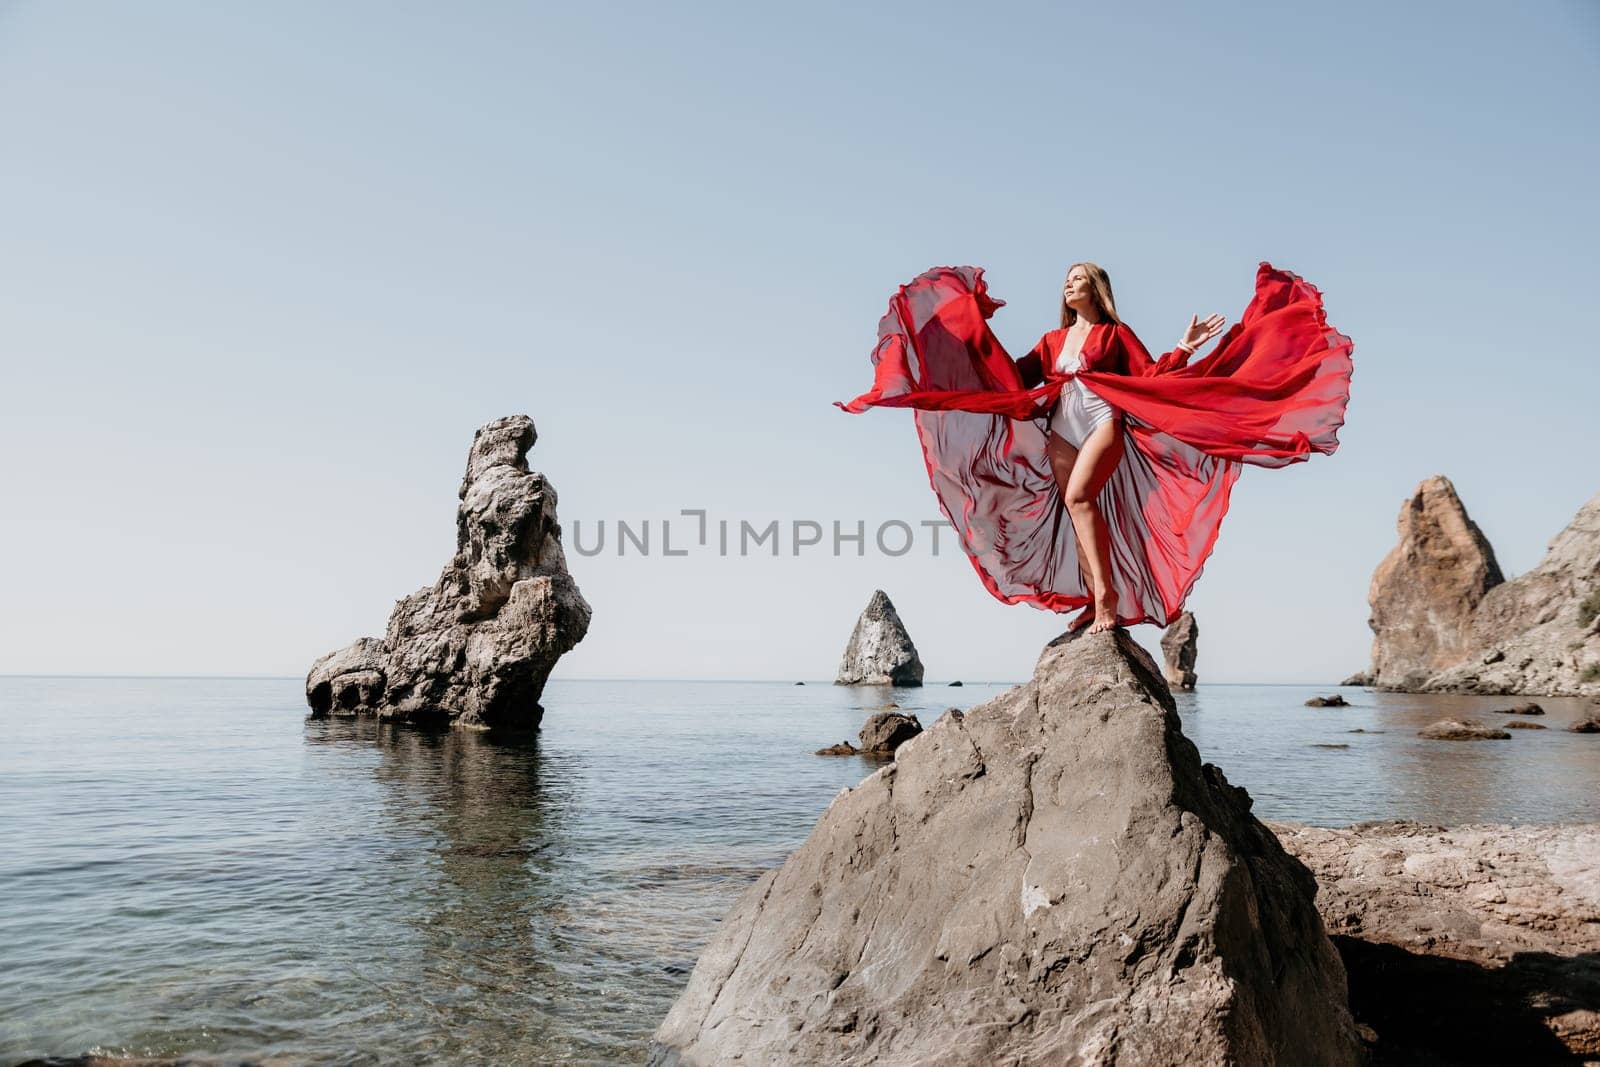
1086 474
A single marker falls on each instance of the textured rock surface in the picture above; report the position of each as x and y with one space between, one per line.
880 651
1424 592
1462 730
1478 944
1052 877
476 647
888 730
1445 621
1179 647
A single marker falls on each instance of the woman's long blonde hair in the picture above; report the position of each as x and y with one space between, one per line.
1100 285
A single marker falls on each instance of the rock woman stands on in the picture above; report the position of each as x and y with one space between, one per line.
1087 474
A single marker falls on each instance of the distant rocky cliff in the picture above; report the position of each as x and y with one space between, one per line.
1445 619
476 647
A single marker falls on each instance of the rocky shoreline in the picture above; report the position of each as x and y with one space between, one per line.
1470 944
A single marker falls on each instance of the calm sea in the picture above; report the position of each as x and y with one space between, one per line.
189 866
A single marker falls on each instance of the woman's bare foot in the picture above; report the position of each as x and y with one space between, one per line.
1105 615
1082 620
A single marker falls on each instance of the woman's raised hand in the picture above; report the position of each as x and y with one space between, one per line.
1199 333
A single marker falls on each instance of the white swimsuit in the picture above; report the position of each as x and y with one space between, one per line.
1079 409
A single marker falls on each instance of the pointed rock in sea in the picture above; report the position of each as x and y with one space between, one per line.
1180 647
880 651
1424 592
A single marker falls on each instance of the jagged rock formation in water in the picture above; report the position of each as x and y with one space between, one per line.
476 647
1424 592
1052 877
1445 619
880 651
1179 647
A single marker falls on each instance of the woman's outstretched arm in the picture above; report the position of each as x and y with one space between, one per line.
1137 357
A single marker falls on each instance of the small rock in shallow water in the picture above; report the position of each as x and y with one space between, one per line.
887 731
1586 726
1329 746
1456 730
1524 725
1335 701
843 748
1529 708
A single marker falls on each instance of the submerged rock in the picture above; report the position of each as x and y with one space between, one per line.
1179 647
1445 620
1052 877
1521 709
1519 725
880 651
476 647
1462 730
843 748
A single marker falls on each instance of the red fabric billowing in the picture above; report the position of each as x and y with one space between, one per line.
1272 392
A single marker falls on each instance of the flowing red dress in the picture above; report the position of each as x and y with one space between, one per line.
1272 392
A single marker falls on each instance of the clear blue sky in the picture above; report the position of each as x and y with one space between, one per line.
268 266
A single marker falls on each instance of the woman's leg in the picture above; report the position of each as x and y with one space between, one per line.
1063 457
1098 457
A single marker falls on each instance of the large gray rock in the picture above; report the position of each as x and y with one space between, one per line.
1052 877
476 647
880 651
1445 620
1180 647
